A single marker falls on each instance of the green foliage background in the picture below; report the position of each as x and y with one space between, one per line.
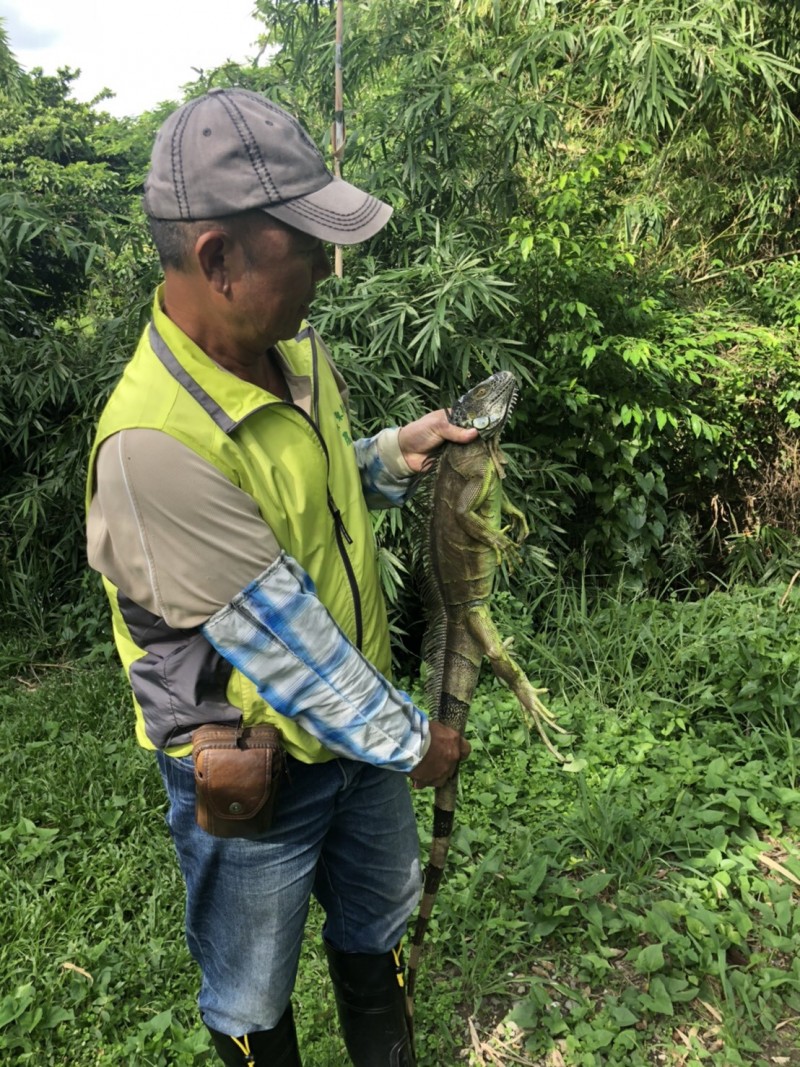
598 196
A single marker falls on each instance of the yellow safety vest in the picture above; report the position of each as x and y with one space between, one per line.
302 474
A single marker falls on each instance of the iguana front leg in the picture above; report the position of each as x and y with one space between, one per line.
517 518
506 668
479 529
478 512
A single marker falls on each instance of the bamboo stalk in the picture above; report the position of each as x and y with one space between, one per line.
338 116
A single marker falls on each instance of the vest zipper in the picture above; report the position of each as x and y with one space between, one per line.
338 521
339 527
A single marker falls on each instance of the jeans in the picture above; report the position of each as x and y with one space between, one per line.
342 830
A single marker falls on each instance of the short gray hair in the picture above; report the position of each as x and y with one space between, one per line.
175 238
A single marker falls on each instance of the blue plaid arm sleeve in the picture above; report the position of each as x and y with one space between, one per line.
385 479
278 633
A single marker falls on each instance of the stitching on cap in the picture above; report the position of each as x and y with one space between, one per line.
176 153
353 220
248 140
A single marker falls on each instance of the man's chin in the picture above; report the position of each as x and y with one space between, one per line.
292 329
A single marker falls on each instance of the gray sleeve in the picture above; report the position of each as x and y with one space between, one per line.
171 531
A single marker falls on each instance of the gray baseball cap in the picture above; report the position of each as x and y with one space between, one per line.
232 150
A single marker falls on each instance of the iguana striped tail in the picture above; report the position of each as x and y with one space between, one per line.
458 670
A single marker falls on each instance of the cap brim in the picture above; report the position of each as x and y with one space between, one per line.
338 212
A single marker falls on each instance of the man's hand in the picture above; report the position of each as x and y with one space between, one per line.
418 439
445 752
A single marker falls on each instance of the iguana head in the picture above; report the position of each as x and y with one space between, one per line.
486 406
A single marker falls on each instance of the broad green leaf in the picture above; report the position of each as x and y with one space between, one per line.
650 959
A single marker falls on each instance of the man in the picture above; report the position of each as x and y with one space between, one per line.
227 515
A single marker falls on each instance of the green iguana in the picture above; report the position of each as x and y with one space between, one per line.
465 546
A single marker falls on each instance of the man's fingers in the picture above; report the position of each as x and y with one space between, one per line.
448 748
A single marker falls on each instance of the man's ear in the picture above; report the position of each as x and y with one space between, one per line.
213 254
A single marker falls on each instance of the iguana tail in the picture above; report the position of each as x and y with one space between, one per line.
459 676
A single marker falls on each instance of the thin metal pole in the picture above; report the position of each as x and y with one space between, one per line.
338 116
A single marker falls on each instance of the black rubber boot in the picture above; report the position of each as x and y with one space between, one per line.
371 1003
261 1048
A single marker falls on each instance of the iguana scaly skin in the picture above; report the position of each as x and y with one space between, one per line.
466 543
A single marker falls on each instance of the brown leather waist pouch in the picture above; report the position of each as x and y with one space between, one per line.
237 774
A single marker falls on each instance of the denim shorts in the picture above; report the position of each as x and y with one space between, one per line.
344 831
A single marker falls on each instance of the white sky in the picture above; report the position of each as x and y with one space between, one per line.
144 51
